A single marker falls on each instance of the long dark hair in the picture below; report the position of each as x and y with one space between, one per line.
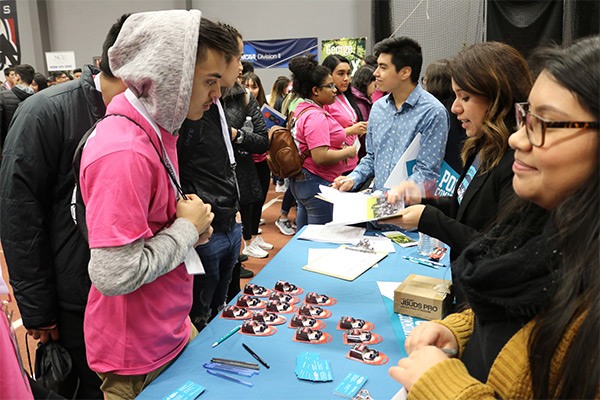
261 98
331 62
576 68
498 73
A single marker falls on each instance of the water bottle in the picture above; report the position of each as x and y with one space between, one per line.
248 124
425 244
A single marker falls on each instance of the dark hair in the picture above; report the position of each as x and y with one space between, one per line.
439 81
370 60
110 39
500 74
218 36
247 67
278 89
41 81
261 98
405 52
8 70
307 73
577 69
76 70
363 77
26 72
331 62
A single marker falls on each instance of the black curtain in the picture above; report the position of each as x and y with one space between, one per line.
525 24
382 19
586 21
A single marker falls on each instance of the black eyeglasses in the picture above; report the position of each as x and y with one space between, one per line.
329 85
535 126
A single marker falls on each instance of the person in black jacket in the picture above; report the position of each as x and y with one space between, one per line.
487 79
207 167
10 99
46 255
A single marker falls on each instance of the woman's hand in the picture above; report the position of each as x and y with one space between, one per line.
411 368
407 191
410 217
358 129
430 334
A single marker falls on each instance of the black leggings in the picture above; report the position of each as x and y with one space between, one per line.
251 212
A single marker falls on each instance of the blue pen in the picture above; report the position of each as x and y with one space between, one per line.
424 263
425 260
228 377
227 336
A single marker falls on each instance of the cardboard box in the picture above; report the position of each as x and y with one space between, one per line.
422 297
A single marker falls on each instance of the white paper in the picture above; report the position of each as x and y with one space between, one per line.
387 288
332 234
400 173
193 265
401 395
381 244
344 263
314 254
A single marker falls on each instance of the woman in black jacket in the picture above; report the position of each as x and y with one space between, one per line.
487 79
251 138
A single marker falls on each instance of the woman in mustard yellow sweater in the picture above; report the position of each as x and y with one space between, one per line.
532 281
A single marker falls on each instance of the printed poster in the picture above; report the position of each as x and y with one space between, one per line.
10 53
354 49
277 53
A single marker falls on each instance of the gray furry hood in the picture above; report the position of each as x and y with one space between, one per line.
155 55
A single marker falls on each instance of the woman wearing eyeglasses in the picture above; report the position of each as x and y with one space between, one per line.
532 281
320 137
487 80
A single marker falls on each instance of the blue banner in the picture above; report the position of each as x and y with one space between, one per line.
277 53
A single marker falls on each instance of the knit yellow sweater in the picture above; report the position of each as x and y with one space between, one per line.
509 376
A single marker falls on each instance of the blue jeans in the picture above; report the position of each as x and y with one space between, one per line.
218 256
310 209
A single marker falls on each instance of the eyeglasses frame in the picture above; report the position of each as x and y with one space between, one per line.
523 108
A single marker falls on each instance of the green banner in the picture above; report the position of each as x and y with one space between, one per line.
354 49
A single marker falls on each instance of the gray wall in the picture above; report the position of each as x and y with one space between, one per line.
81 25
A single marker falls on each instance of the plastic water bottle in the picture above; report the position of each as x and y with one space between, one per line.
248 123
425 244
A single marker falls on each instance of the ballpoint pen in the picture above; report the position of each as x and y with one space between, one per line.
227 336
421 262
253 354
437 264
229 377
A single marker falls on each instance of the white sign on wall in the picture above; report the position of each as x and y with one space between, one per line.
60 60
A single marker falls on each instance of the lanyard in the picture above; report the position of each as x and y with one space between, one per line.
192 261
341 98
225 131
137 104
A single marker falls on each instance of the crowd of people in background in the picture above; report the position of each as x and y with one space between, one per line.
174 182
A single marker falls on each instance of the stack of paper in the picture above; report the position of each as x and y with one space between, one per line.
345 262
311 368
332 234
352 208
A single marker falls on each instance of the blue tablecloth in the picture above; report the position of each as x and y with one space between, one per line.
360 298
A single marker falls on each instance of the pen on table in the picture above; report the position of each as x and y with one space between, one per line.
235 363
227 336
229 377
420 262
425 260
253 354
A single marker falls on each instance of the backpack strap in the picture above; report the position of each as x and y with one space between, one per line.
291 123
